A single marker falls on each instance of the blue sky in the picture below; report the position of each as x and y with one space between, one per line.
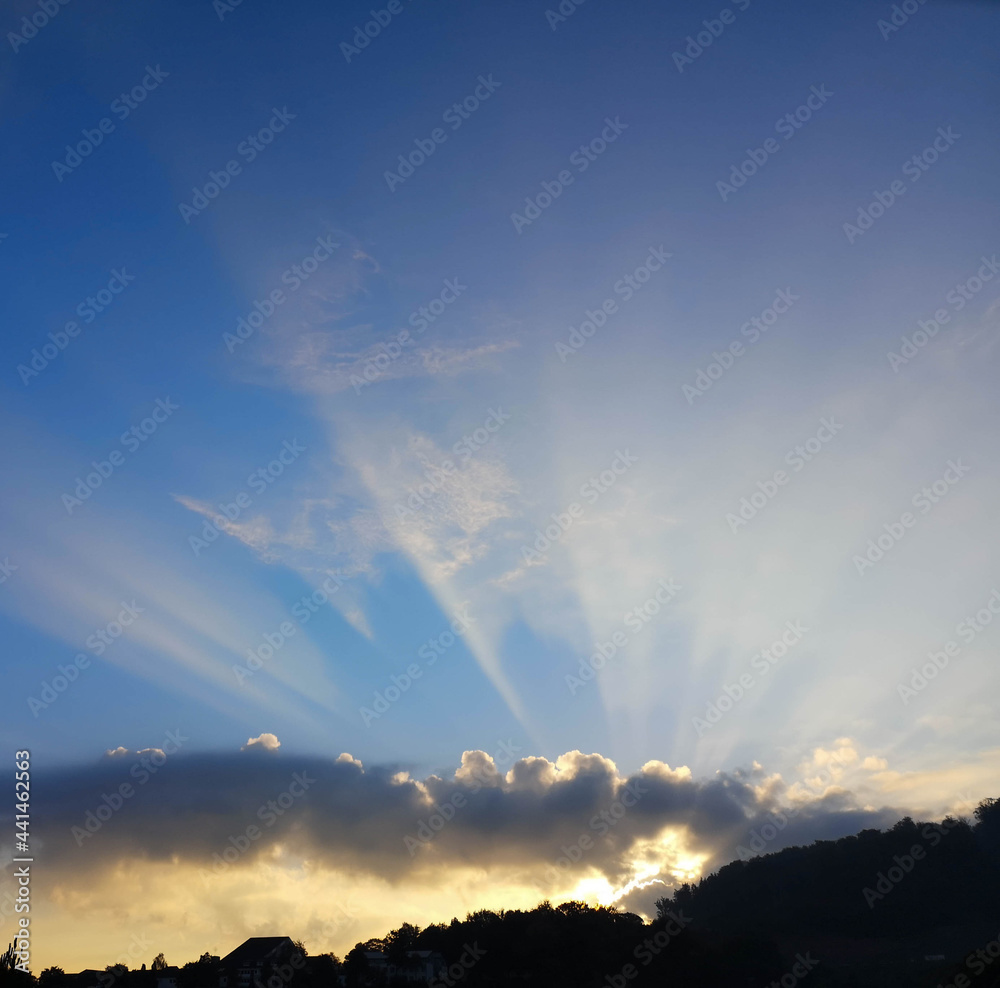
548 421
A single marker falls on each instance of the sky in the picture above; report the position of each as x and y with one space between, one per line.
568 409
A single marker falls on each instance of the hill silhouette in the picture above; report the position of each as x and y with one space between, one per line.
915 906
906 907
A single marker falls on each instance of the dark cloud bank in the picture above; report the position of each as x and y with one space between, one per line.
202 809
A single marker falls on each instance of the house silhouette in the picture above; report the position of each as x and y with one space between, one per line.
253 961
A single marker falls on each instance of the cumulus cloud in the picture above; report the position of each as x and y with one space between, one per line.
122 752
266 741
654 827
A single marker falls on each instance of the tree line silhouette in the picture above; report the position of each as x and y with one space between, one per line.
908 907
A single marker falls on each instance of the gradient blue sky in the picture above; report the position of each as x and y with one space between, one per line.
333 509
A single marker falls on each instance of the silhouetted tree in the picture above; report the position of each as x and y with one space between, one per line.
356 968
10 977
398 942
200 973
741 925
